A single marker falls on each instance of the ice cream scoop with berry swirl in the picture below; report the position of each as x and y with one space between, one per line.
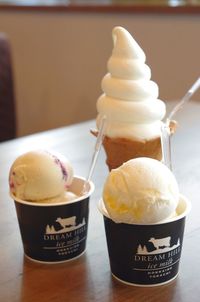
41 176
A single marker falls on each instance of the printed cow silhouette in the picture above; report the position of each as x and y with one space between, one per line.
67 222
160 243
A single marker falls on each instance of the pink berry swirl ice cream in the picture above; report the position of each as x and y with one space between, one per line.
40 176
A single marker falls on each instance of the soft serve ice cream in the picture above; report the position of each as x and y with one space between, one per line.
130 100
41 176
130 104
142 190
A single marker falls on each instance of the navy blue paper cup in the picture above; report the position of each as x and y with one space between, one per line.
56 232
146 255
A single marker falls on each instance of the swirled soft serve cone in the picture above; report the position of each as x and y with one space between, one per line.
130 103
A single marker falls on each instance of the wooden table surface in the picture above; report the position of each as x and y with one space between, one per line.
88 278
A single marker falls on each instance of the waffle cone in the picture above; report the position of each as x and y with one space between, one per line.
120 150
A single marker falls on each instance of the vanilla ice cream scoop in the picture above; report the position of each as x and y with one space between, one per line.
40 176
142 190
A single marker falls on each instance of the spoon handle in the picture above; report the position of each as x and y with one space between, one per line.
97 147
185 99
99 141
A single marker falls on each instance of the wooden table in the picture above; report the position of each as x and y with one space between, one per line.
88 278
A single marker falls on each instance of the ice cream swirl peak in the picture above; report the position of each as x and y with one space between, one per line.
130 99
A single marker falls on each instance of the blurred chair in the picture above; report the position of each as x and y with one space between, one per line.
7 99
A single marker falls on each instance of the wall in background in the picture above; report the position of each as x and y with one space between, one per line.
60 58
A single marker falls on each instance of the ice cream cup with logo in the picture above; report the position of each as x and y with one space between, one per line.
144 217
52 212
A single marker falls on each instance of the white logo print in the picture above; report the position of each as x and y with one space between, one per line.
68 224
161 245
157 258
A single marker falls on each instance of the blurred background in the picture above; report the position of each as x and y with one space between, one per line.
59 57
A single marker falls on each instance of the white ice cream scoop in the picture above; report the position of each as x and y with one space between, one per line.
142 190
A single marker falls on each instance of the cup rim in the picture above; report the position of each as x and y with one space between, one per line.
46 204
103 211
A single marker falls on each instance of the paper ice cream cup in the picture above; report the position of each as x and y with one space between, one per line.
56 232
146 255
